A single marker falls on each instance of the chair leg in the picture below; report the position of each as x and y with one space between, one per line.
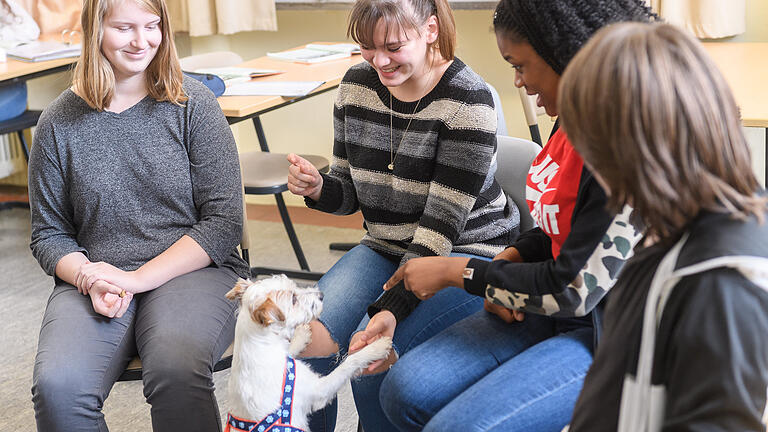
24 147
535 134
18 204
291 232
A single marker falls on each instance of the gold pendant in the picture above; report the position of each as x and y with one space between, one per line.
391 166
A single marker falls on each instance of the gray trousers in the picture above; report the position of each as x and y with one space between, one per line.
180 330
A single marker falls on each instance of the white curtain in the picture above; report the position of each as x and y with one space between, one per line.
208 17
53 16
704 18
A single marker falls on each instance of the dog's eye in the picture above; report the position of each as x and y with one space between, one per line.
295 299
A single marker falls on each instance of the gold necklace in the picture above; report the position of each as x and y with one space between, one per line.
392 155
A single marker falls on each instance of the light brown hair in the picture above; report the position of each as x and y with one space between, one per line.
94 80
651 114
403 15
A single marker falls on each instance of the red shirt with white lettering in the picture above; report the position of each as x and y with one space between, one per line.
552 187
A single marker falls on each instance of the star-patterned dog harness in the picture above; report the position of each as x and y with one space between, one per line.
278 421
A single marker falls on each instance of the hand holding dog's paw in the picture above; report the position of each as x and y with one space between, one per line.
372 355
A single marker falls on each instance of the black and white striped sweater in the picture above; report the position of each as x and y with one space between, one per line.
441 196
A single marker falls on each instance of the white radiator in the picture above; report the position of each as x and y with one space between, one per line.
12 162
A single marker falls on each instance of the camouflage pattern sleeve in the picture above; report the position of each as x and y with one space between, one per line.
592 282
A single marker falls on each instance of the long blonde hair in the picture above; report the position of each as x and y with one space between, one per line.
651 114
94 80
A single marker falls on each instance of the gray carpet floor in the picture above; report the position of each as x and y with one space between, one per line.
24 290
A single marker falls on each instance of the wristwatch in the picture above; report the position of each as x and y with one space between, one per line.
468 273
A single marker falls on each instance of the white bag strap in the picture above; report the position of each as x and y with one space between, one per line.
635 414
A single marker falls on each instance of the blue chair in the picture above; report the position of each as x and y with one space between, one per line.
14 119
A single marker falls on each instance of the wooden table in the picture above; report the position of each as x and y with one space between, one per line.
744 65
14 71
240 108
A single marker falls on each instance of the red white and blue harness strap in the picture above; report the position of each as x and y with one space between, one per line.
280 420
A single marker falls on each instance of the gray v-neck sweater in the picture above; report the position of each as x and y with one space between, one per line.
122 188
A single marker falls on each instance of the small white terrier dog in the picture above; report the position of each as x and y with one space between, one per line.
272 325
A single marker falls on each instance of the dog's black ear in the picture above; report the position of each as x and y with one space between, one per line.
237 292
267 313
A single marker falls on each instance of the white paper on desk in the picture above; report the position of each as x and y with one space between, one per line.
273 88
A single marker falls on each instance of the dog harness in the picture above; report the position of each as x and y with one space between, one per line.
278 421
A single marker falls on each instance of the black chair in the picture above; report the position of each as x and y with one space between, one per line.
133 371
266 173
18 125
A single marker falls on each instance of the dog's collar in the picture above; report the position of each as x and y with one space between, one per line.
278 421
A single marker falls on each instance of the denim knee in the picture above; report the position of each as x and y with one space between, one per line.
401 396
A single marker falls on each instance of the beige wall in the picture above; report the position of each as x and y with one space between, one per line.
757 23
306 126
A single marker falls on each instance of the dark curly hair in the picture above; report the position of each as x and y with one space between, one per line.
557 29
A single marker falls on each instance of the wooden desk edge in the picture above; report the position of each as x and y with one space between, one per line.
270 101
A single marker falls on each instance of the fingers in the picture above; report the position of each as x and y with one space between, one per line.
358 342
293 158
106 304
112 289
509 316
107 301
375 365
124 303
395 278
302 177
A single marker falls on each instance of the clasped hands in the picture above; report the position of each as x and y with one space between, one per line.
110 288
424 277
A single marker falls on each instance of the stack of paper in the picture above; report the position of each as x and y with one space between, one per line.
41 51
232 75
273 88
316 53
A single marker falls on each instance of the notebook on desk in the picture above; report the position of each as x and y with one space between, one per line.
43 50
273 88
232 75
317 53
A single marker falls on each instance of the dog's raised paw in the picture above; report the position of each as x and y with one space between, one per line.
302 336
377 349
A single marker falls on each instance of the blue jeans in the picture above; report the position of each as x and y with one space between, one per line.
349 287
483 374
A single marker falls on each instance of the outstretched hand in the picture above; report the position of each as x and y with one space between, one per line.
303 178
382 324
424 277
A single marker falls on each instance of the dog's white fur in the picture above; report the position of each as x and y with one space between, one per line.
273 323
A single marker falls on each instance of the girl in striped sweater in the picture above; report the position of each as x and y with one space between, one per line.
414 151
